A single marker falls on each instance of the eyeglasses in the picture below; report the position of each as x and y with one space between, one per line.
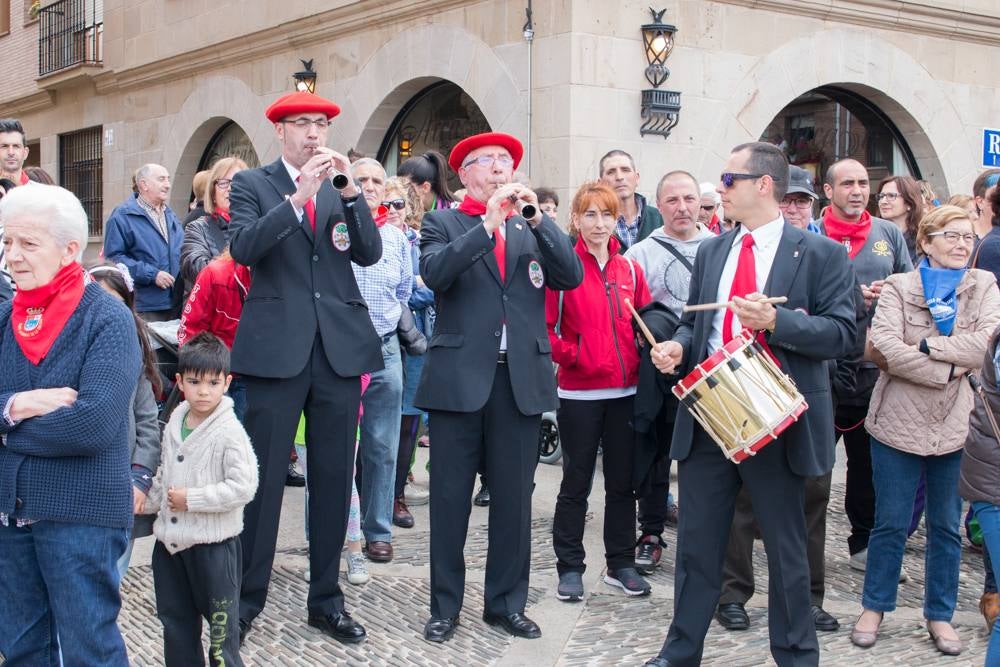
398 204
304 123
955 237
797 203
224 183
708 208
729 178
486 161
889 196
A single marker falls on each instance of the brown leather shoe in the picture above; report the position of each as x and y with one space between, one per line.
989 607
401 514
378 552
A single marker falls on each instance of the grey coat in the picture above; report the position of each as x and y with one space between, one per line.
979 478
144 443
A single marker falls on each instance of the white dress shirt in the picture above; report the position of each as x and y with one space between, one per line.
765 247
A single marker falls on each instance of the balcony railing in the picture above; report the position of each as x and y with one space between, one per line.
70 33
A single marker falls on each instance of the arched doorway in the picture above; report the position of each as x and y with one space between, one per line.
830 123
435 118
229 140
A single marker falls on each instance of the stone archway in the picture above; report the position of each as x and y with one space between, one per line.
373 98
216 100
864 63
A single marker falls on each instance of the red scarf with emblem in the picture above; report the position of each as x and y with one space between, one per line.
39 315
852 234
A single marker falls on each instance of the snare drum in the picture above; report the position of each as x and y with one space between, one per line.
741 398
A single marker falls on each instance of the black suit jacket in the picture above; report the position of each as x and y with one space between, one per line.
817 323
301 283
457 262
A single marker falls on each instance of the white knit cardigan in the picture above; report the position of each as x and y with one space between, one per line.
217 466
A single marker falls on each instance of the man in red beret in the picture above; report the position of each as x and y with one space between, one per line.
488 374
304 340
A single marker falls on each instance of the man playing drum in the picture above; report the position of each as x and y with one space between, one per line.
762 255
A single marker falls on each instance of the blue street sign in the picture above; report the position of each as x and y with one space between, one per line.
991 148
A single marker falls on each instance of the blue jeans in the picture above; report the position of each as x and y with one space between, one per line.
238 392
896 475
59 587
379 445
126 558
989 521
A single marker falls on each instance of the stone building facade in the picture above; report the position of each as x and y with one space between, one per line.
171 77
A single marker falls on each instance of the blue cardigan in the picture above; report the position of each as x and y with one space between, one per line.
72 464
131 237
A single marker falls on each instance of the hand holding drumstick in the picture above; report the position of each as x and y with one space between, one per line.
666 356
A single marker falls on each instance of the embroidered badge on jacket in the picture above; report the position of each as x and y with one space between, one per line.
341 239
535 274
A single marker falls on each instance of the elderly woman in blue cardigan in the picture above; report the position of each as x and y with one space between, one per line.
69 361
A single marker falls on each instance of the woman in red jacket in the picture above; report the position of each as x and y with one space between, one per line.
592 341
215 305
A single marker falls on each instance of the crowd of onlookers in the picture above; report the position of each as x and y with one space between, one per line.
901 406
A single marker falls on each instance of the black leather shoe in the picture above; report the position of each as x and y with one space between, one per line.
732 616
658 661
294 477
245 628
824 621
440 630
516 624
482 498
340 626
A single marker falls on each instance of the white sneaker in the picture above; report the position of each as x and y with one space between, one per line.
306 574
416 496
357 568
903 576
859 561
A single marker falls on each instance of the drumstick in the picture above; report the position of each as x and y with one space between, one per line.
725 304
642 325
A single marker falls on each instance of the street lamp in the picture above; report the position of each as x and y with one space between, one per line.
660 109
305 81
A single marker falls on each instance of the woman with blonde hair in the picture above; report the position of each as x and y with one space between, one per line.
205 238
931 327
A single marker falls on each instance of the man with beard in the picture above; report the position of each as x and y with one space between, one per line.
488 374
877 250
666 257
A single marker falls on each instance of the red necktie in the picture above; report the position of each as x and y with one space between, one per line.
310 209
500 251
744 282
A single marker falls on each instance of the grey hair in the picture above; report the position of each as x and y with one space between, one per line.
367 160
55 207
144 171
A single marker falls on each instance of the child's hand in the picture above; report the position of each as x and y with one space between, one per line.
138 501
177 499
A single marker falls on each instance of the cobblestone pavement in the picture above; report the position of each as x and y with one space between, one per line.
604 629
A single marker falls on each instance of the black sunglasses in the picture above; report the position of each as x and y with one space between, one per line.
397 204
728 178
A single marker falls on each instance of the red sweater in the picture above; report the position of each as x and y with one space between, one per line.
596 348
216 301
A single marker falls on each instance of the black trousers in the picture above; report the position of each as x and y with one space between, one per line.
201 582
409 425
737 572
859 495
709 485
506 442
653 504
583 425
273 408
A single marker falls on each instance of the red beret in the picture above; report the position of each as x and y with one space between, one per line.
469 144
300 102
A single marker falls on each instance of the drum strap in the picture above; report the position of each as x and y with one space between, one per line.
676 253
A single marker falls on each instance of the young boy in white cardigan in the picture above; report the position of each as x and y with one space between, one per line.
207 473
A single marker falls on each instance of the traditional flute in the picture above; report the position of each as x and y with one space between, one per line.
725 304
647 334
527 211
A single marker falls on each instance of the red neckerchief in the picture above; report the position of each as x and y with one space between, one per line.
714 225
852 234
222 213
39 315
24 178
381 215
471 206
